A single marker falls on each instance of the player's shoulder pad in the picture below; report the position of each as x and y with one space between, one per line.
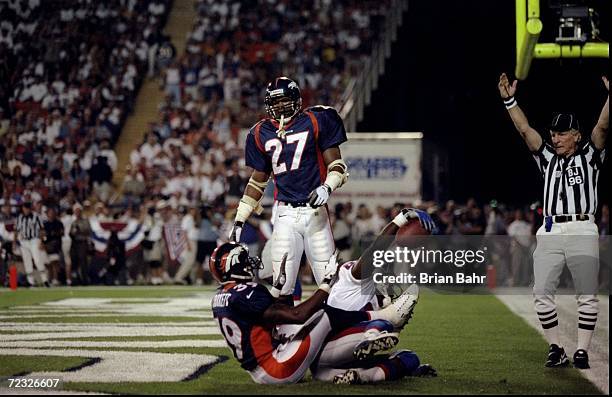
243 298
322 109
254 126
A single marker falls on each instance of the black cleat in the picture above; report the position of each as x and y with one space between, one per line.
581 359
556 357
374 343
350 377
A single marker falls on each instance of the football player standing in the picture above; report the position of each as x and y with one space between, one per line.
299 148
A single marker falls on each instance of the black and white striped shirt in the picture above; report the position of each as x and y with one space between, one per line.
29 227
570 183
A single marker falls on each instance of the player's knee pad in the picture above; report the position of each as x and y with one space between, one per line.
320 248
286 243
544 303
588 303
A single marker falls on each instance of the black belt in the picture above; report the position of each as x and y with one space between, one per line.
569 218
294 204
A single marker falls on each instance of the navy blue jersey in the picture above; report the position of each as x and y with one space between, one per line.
296 162
239 310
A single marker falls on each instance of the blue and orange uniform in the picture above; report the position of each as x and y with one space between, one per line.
295 162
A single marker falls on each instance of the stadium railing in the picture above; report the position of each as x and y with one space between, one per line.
358 92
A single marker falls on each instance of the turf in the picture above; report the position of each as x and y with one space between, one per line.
38 295
477 345
105 319
14 365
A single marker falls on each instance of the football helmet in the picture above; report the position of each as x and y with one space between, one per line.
231 262
283 98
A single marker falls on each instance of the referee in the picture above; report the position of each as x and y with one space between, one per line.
29 232
569 235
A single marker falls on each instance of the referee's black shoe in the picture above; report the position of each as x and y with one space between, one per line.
581 359
556 357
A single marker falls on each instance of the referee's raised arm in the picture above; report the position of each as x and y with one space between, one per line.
507 91
600 131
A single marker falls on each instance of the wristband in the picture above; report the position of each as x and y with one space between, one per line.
325 287
275 292
510 102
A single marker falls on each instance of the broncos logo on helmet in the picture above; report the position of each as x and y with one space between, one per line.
283 98
231 262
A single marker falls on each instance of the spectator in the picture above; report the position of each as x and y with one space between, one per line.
116 260
342 232
101 176
54 231
520 246
207 239
67 219
80 233
189 224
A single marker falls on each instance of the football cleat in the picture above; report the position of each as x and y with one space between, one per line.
374 343
400 310
581 359
350 377
556 357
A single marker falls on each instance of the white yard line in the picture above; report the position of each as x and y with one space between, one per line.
45 326
118 344
110 331
75 315
520 302
121 366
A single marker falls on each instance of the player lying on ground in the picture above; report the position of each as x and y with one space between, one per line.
247 315
300 149
349 356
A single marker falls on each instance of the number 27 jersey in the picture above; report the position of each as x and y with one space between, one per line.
295 162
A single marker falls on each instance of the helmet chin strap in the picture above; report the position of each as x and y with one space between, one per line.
281 128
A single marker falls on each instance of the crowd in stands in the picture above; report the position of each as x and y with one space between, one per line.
69 77
70 74
214 91
149 260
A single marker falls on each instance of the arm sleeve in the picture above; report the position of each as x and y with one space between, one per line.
543 155
252 302
254 158
331 129
598 155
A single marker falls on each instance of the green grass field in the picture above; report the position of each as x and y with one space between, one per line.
477 345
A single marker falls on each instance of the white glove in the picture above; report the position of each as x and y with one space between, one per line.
319 196
410 213
236 231
330 272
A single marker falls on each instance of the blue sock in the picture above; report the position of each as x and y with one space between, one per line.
297 291
404 363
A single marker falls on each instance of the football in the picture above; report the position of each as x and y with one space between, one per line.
407 234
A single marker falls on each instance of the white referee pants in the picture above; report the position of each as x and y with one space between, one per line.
575 244
298 230
33 255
